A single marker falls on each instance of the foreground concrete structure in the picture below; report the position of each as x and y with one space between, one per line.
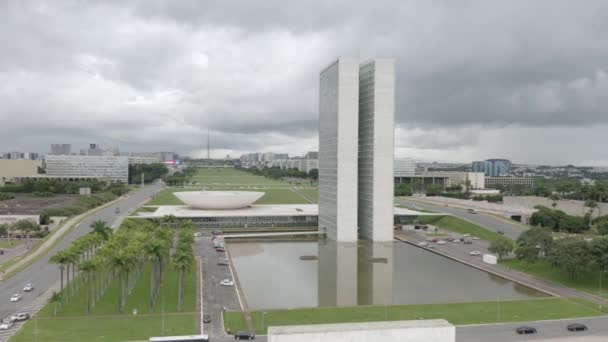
218 200
376 149
399 331
338 141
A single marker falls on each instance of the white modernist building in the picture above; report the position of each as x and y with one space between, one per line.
102 167
338 149
404 167
356 149
214 200
376 149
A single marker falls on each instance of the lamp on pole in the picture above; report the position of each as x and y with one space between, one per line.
263 315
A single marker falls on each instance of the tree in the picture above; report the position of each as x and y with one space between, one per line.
599 251
501 246
592 205
182 262
88 267
571 256
554 197
61 259
533 243
100 227
602 226
56 298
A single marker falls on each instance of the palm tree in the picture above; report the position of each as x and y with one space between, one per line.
101 228
88 267
60 258
182 262
120 263
592 205
56 298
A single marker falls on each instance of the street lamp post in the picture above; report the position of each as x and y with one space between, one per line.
263 314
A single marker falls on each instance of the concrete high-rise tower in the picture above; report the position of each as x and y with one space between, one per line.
356 147
338 141
376 149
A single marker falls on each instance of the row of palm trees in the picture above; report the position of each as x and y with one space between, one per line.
97 259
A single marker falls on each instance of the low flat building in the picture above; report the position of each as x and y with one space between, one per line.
435 330
510 181
114 168
475 180
404 167
11 169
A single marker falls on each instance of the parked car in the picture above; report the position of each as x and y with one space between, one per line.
501 232
223 263
117 210
16 297
423 244
206 318
198 234
28 288
220 249
577 327
526 330
441 242
244 335
467 241
475 238
217 232
227 282
475 253
6 324
472 211
23 316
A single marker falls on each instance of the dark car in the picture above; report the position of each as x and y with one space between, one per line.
244 335
206 318
577 327
525 330
223 263
501 232
219 249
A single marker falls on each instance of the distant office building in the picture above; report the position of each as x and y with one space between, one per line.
282 156
493 167
61 149
143 160
509 181
164 156
14 168
102 167
338 149
376 149
474 180
404 167
94 150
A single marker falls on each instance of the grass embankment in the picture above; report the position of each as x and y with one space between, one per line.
459 226
272 196
6 244
455 313
145 210
106 324
588 281
227 176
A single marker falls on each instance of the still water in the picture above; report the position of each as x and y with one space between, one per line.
274 276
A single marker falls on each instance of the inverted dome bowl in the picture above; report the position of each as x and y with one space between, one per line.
219 199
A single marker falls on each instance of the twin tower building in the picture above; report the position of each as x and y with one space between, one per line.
356 148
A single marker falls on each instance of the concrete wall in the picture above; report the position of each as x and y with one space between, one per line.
399 331
376 149
571 207
10 169
338 149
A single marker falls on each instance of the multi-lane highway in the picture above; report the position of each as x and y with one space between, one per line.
43 274
490 222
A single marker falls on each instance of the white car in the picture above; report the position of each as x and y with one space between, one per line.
16 297
227 282
423 244
475 238
6 324
475 253
198 234
22 316
441 242
28 288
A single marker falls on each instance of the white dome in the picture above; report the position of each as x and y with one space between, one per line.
218 199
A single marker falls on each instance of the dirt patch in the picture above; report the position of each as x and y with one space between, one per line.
25 204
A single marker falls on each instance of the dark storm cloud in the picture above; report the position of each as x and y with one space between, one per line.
152 73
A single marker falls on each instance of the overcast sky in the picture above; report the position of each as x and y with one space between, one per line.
524 80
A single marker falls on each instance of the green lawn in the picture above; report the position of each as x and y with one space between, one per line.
587 281
228 176
455 313
106 324
272 196
145 210
460 226
313 193
5 244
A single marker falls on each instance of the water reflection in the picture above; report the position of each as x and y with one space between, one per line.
273 275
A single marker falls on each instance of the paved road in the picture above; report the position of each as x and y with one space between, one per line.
44 274
490 222
547 331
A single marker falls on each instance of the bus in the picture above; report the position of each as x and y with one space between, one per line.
186 338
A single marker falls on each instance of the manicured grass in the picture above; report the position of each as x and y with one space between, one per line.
4 243
460 226
145 210
106 324
588 281
226 176
272 196
455 313
312 193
